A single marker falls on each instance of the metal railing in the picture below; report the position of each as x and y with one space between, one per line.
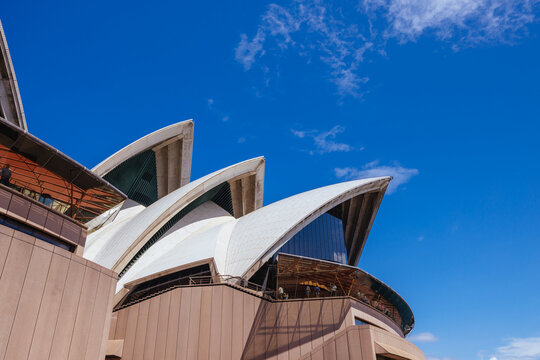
236 281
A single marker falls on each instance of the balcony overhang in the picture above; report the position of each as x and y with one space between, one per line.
46 175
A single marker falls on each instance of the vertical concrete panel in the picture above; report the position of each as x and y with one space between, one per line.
172 326
151 328
248 318
121 324
215 328
366 344
183 324
79 338
339 311
317 354
50 307
355 349
68 311
257 342
328 324
270 324
237 324
100 315
5 242
282 331
205 322
11 284
226 323
163 326
107 322
315 313
329 350
29 303
131 331
293 324
194 323
342 350
112 328
140 335
305 327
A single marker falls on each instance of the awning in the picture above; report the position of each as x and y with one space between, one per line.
45 174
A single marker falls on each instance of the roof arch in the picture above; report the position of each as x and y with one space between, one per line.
166 153
258 235
203 234
117 248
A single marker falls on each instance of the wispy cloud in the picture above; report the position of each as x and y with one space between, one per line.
341 37
424 337
324 142
519 349
400 174
311 28
212 107
463 22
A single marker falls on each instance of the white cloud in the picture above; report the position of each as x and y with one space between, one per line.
461 21
314 31
519 349
425 336
247 50
324 142
400 174
341 37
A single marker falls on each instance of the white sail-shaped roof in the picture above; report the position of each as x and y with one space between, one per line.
238 247
119 245
258 235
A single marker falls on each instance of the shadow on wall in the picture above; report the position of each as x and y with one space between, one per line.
293 326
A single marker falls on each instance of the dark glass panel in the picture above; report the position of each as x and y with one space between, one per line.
322 239
136 177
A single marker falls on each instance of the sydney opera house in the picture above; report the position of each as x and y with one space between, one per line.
135 260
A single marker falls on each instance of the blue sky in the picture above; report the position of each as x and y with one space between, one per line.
443 95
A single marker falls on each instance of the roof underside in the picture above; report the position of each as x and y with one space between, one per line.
293 270
42 172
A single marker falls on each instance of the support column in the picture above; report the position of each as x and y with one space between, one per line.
161 171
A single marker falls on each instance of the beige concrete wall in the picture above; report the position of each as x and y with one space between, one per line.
364 342
222 322
53 304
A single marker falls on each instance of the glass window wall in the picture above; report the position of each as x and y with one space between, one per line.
322 239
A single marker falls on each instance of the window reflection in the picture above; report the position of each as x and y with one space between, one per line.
322 239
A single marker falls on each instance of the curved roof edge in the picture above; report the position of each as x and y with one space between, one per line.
257 236
120 246
156 140
10 106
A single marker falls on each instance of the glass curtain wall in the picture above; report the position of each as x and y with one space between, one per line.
322 239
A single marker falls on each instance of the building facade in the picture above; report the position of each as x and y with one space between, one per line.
134 260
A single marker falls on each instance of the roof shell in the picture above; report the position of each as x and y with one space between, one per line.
118 247
184 128
258 235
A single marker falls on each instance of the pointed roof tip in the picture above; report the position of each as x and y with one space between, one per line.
11 107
